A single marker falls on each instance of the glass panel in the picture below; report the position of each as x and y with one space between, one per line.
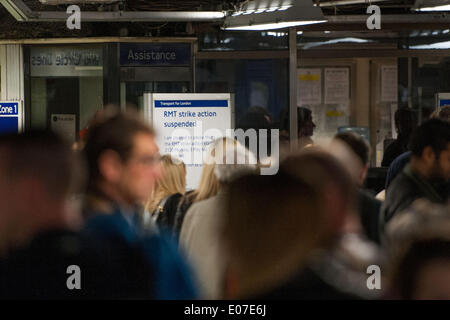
261 84
66 81
134 91
241 40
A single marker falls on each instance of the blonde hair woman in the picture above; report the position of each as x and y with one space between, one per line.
209 184
168 191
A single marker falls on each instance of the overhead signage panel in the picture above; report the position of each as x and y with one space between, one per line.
155 54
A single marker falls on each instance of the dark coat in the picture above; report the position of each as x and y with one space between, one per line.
403 191
369 212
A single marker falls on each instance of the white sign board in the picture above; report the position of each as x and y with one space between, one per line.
309 87
389 83
186 124
65 125
442 99
337 85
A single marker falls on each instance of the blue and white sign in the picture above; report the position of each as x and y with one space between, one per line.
442 99
155 54
186 124
11 116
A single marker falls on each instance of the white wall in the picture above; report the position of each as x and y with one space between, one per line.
11 72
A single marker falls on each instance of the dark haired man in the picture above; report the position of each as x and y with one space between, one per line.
429 168
368 206
123 163
38 238
405 123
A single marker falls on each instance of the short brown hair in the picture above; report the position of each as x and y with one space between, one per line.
112 130
357 144
272 224
45 156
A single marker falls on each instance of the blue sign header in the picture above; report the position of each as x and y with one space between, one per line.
155 54
190 103
9 109
444 103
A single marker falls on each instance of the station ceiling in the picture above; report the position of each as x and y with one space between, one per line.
343 15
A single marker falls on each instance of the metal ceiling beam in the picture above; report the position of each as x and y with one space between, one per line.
17 9
347 2
135 16
21 12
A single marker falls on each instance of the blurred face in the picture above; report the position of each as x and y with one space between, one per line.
5 215
141 171
433 281
440 171
14 206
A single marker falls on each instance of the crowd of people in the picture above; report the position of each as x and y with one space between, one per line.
111 218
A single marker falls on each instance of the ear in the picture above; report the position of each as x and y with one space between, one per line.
110 166
428 155
336 210
364 173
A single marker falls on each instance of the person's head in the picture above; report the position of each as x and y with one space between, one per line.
232 160
423 273
423 219
430 150
405 122
39 172
216 172
272 225
262 111
360 148
172 181
122 156
305 123
442 113
336 186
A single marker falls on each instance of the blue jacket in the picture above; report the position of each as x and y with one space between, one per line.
150 264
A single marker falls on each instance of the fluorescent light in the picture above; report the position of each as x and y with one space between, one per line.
259 15
446 31
284 8
327 32
431 5
339 40
272 26
299 32
436 8
436 45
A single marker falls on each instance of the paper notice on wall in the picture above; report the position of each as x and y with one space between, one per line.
65 125
337 85
389 83
309 90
